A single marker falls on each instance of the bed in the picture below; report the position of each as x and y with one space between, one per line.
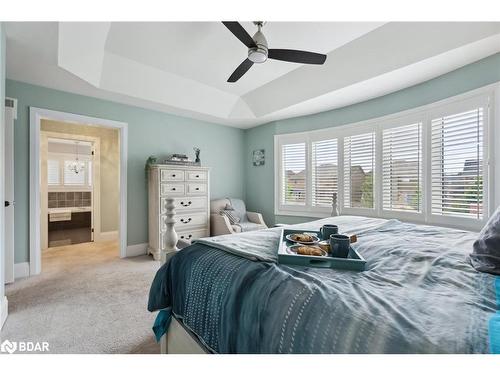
418 294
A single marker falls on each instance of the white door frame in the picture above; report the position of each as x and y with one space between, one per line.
36 117
96 184
10 116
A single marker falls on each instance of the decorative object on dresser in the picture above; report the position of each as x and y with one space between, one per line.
181 159
188 186
197 155
220 223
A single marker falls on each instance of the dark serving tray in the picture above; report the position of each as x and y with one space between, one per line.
353 262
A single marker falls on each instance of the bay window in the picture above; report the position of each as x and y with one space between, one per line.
426 165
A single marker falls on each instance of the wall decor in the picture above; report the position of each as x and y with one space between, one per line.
259 157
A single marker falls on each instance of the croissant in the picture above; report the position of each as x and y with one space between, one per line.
302 237
309 250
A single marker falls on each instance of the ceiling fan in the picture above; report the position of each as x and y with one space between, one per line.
259 53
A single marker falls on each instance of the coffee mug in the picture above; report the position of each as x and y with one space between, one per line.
327 230
340 245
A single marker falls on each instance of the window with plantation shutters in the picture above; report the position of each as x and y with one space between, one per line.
359 167
401 168
432 164
324 172
457 164
294 174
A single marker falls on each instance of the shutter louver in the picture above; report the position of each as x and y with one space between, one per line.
401 168
294 174
457 164
53 172
359 165
324 172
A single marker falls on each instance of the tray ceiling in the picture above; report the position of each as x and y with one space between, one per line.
182 67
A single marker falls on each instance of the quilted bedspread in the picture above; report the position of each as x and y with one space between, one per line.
419 294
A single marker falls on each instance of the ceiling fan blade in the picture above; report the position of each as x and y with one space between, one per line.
292 55
240 70
240 33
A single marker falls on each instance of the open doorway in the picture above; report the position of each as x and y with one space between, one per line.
70 187
78 171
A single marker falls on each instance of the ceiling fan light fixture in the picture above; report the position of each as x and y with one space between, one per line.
257 55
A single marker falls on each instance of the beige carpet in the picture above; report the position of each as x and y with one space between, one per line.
86 300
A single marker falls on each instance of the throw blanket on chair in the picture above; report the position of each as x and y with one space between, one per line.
241 211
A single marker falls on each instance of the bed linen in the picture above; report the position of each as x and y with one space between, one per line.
419 294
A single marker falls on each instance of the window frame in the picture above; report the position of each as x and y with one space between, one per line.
62 157
486 97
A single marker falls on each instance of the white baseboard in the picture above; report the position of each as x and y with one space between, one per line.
135 250
108 236
4 310
21 270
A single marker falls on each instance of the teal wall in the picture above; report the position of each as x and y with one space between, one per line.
260 180
228 151
149 132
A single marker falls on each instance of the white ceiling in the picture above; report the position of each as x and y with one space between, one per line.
182 67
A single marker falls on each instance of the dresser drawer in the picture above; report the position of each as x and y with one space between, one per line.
185 203
186 220
172 189
192 235
194 188
171 175
196 175
194 219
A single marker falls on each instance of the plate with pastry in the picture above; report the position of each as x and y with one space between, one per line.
308 250
303 238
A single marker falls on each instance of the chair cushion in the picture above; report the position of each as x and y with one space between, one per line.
249 226
485 256
233 219
239 209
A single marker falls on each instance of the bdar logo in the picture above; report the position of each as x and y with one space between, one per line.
8 347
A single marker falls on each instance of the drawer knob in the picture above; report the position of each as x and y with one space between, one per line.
173 175
197 176
173 189
186 204
186 221
197 188
182 237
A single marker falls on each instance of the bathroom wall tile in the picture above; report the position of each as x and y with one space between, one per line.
70 196
78 195
52 196
86 203
52 204
61 196
86 195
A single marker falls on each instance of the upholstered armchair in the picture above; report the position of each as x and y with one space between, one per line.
228 216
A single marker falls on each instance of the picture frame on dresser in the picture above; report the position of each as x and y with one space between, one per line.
189 187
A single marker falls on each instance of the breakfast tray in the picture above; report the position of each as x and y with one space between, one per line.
353 262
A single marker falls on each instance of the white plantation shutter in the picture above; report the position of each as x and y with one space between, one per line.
359 165
294 174
324 172
401 168
53 167
457 164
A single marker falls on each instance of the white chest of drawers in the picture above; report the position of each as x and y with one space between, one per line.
190 188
